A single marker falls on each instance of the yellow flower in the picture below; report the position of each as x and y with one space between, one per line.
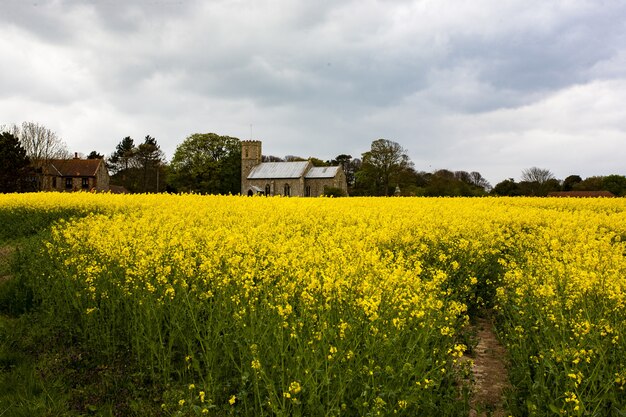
232 400
295 387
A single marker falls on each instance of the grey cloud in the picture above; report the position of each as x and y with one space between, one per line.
450 81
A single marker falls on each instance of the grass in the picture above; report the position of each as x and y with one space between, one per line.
43 373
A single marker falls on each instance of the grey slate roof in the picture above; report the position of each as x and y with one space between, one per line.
267 170
322 172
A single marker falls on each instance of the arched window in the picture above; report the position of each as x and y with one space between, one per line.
287 190
268 189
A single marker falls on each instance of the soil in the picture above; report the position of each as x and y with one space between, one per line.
490 373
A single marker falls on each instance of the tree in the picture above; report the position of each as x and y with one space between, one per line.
535 174
349 166
294 158
271 158
570 182
207 163
507 187
149 157
122 158
615 184
447 183
40 143
477 180
318 162
138 168
383 165
590 184
537 181
95 155
14 165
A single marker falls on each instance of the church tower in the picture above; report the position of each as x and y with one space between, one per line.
250 157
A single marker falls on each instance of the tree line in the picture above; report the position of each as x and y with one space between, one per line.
208 163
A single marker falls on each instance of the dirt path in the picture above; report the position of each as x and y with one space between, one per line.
490 373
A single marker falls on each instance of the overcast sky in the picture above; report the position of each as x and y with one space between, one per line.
493 86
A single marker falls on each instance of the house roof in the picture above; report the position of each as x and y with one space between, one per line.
322 172
581 194
75 167
267 170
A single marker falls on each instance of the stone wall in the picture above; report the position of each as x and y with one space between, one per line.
277 186
318 185
251 155
102 179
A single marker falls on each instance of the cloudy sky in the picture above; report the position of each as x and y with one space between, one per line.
493 86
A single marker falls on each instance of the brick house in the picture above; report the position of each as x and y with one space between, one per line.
75 175
285 178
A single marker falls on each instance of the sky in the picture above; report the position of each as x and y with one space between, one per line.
494 86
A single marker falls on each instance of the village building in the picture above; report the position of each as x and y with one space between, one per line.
74 175
300 178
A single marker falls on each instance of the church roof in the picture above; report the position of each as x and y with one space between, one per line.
267 170
322 172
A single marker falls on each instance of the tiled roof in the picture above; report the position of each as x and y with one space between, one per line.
581 194
75 167
267 170
322 172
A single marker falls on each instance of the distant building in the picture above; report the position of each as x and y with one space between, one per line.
74 175
285 178
581 194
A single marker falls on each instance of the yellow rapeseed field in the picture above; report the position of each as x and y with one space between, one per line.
353 306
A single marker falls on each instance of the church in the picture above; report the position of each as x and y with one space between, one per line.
300 179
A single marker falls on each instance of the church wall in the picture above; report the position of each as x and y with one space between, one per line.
318 185
277 186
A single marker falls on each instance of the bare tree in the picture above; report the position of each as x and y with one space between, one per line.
538 175
41 144
271 158
539 181
294 158
479 181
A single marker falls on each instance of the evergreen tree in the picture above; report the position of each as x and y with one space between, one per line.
14 165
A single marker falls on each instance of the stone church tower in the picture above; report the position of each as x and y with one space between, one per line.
250 157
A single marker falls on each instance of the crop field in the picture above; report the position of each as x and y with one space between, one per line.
327 307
